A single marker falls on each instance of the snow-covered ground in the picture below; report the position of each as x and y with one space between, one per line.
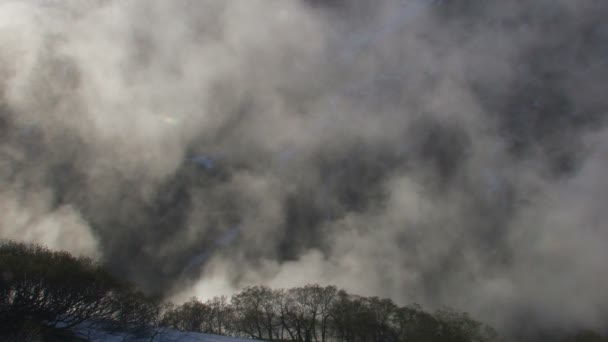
164 335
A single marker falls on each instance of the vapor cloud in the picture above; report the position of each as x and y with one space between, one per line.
454 159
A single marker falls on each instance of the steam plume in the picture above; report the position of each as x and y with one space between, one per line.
456 159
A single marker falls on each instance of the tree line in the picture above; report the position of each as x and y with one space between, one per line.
45 293
315 313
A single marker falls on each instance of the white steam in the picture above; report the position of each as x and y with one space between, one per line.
104 102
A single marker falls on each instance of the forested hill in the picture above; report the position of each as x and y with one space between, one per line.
48 295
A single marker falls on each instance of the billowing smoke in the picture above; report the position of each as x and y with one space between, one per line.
441 152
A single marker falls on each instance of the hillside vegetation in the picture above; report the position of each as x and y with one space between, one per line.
45 294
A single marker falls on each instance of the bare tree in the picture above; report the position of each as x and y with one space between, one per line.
327 297
220 314
256 312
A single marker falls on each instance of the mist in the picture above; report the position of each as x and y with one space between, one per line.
448 153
